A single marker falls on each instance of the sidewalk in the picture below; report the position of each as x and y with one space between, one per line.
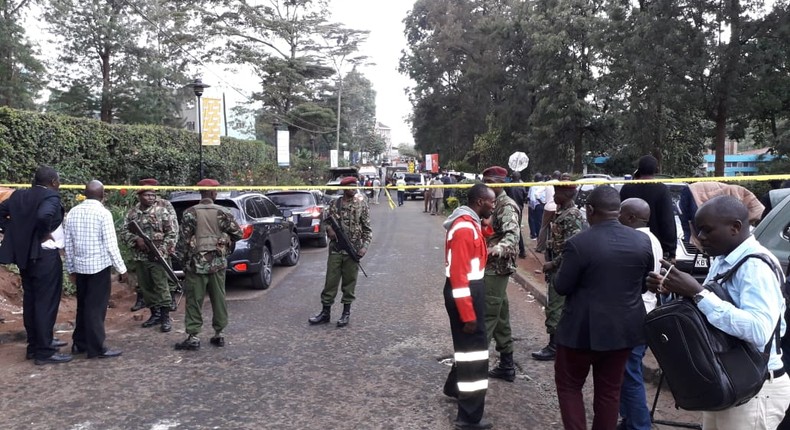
530 276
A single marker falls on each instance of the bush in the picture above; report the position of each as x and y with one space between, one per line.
461 193
452 203
83 149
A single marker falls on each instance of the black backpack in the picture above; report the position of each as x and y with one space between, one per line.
706 368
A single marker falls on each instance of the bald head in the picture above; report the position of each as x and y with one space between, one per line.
634 213
725 208
94 190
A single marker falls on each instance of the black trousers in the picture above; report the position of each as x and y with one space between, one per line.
468 379
93 295
42 285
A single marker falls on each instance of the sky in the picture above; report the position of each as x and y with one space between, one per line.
384 20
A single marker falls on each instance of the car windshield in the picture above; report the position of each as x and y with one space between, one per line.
291 200
411 177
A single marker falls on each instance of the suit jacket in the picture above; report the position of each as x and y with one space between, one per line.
27 218
602 277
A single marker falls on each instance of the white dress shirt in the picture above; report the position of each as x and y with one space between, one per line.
90 242
649 297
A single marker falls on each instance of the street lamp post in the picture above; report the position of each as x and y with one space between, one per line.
198 86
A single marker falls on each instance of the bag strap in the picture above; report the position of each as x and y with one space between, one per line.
718 289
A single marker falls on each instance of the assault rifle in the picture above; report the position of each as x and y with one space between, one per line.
134 228
344 244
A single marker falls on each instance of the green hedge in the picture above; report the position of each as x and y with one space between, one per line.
83 149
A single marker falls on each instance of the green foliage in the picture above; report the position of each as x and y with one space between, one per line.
21 73
69 289
453 203
462 193
83 149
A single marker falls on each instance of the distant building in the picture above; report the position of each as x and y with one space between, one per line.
385 133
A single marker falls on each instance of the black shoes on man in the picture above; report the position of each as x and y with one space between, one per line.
548 352
323 316
191 343
139 304
463 425
506 369
217 341
55 358
159 316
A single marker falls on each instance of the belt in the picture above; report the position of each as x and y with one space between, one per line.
773 374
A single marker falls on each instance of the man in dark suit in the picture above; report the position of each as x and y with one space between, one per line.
31 219
602 277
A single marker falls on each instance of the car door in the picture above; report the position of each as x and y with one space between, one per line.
281 228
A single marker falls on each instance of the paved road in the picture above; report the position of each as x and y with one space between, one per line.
383 371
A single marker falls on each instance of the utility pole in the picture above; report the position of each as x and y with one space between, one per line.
339 96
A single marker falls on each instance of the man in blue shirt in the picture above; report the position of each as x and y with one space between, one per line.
723 230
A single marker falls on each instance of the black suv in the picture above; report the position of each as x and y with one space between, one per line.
269 235
309 211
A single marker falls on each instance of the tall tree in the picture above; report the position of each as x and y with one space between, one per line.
96 36
21 73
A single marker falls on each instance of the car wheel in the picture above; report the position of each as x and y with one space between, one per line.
292 257
323 241
263 279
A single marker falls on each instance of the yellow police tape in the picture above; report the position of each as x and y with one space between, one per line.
590 181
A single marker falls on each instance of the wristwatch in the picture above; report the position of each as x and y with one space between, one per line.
701 295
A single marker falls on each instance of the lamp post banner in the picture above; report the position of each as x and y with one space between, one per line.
283 148
333 158
211 116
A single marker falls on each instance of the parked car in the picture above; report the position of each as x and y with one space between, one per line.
309 212
773 232
269 235
413 179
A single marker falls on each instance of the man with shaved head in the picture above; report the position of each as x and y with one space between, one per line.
756 308
602 277
635 213
91 252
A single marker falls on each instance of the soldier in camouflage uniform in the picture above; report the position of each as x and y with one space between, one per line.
208 232
352 213
567 221
158 221
502 241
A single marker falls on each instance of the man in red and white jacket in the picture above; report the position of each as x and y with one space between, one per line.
464 299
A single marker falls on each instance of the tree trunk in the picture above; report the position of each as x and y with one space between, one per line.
106 88
729 75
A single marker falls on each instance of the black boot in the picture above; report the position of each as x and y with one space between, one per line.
343 321
154 319
191 343
166 324
548 352
322 317
139 304
506 369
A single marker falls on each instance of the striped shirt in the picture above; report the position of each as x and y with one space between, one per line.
91 245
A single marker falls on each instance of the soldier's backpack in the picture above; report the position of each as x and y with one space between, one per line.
706 368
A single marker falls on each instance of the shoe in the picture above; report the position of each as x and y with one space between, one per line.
57 343
343 321
139 304
523 255
108 353
165 322
547 353
154 319
217 341
506 369
76 350
29 355
464 425
55 358
191 343
322 317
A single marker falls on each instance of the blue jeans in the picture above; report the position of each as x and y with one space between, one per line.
400 197
633 400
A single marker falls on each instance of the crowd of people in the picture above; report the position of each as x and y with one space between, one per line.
37 229
605 267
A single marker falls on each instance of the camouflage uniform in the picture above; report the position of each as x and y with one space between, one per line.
503 246
354 217
207 235
566 223
159 223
